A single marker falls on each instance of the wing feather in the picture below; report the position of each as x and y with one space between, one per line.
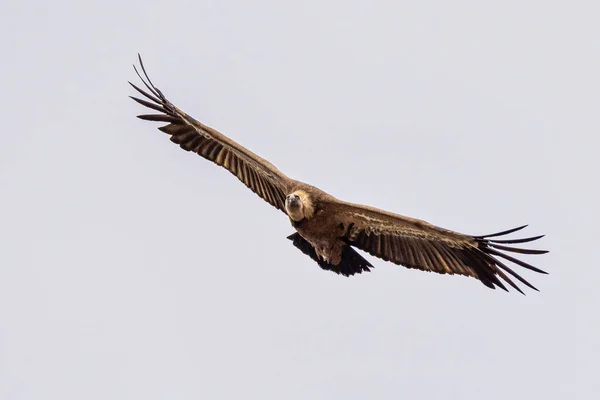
256 173
417 244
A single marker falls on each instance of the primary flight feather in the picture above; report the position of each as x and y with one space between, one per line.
327 229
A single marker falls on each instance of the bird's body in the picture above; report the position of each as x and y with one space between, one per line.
328 229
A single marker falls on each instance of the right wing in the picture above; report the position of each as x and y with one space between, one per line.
255 172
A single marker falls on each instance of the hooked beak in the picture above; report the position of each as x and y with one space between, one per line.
292 199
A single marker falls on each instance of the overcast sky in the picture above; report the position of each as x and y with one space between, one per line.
130 269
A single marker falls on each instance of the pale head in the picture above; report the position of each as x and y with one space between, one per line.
298 205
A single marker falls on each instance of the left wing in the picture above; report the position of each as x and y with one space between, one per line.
417 244
255 172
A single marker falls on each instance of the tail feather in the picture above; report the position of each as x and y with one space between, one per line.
352 262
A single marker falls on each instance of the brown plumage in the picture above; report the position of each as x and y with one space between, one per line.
327 229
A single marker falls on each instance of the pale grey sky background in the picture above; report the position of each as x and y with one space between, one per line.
130 269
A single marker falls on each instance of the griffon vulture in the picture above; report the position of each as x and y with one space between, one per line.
328 229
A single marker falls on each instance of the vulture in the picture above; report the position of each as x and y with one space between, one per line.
329 230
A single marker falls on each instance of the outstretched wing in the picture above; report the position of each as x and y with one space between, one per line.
417 244
255 172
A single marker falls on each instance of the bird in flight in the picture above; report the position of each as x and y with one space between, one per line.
327 229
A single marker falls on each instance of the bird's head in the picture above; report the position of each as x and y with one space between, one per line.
299 206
